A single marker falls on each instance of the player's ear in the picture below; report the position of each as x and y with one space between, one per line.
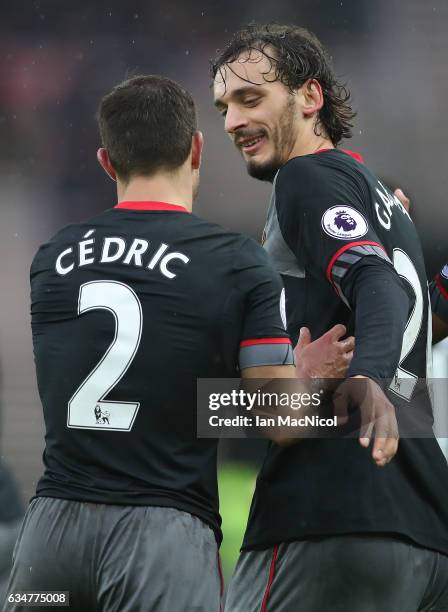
312 97
104 160
197 144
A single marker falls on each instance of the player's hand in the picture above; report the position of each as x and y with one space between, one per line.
326 357
403 199
377 415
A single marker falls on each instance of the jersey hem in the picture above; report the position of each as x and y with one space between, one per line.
147 501
418 538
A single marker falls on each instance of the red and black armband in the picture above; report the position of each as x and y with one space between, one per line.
257 352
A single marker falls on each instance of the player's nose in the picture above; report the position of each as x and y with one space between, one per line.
235 120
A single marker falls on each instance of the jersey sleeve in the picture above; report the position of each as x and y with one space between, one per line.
264 339
323 219
438 290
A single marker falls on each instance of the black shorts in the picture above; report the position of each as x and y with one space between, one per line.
352 573
116 558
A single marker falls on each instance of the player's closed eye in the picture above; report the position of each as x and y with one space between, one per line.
251 102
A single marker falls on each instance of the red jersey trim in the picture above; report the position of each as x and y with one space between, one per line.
353 154
151 206
271 579
440 287
256 341
345 248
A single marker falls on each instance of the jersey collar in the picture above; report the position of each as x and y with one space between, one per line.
151 206
353 154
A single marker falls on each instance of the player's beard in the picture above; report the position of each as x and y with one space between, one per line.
283 138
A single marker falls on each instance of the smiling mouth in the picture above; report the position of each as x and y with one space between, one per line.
251 145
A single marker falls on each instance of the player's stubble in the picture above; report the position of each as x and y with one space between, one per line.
283 138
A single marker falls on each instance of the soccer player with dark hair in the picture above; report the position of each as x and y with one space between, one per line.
128 310
328 529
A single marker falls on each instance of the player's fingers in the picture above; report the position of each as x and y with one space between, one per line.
389 446
347 345
336 332
304 339
341 364
394 443
365 433
347 358
384 450
386 437
367 423
340 406
378 452
403 199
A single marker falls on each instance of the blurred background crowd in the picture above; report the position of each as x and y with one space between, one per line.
59 58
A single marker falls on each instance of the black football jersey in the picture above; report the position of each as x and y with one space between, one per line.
329 213
128 310
439 294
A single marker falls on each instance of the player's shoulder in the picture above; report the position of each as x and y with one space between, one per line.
231 241
75 231
243 250
296 167
319 171
208 228
67 235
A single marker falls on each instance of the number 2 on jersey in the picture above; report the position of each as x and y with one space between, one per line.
404 382
87 408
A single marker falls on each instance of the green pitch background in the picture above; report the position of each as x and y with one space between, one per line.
236 486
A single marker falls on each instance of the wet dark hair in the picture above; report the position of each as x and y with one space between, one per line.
297 56
146 124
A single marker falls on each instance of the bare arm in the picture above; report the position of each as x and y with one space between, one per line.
278 379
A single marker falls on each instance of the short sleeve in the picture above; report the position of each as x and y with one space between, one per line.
438 290
323 219
264 339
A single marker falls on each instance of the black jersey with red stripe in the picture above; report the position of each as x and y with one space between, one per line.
128 310
439 294
330 223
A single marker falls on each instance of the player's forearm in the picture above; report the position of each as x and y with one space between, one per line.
280 381
381 306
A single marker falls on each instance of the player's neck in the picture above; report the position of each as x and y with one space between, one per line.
160 188
310 143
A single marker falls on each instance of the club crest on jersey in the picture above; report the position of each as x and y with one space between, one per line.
444 271
344 222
